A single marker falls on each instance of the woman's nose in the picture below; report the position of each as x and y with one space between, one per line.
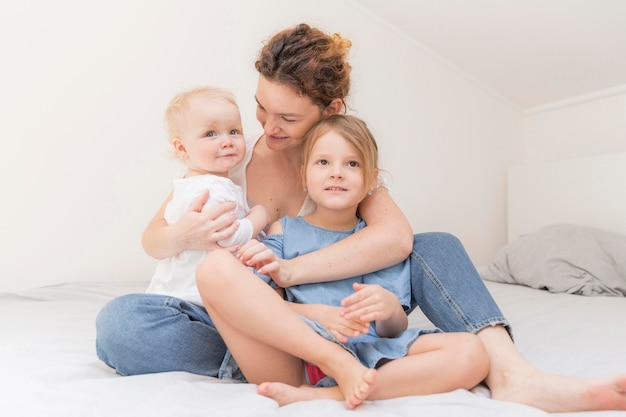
270 127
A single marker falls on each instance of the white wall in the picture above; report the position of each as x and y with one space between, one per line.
84 86
583 126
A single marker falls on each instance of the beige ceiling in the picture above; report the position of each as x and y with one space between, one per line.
532 52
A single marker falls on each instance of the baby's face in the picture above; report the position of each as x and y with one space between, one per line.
211 140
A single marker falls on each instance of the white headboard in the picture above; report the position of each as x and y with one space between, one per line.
587 191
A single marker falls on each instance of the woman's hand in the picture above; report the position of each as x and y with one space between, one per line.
194 230
202 230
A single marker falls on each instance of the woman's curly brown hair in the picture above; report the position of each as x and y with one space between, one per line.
309 60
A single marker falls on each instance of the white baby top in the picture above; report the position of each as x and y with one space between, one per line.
176 275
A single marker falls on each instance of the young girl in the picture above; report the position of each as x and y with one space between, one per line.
339 171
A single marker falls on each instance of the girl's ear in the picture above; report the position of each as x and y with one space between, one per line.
334 107
179 148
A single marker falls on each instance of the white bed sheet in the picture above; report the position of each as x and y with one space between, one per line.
48 365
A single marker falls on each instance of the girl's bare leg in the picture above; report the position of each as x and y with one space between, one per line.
255 321
435 363
285 394
512 378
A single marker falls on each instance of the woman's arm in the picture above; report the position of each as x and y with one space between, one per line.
387 240
194 230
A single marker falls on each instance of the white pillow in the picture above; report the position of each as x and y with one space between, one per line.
565 258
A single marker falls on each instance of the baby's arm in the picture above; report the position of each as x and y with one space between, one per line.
374 303
259 217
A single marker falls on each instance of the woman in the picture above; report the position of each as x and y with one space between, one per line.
303 77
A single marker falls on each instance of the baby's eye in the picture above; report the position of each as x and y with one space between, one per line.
234 132
210 134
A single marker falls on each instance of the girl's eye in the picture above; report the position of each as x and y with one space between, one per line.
353 164
322 162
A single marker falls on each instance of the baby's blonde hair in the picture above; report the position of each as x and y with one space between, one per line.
179 105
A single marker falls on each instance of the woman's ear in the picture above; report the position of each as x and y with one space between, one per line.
334 107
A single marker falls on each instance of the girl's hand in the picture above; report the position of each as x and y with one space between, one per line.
374 303
338 325
258 256
369 303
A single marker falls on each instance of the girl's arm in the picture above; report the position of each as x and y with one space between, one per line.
194 230
387 240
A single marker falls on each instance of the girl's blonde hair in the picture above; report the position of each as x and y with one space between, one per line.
356 132
179 106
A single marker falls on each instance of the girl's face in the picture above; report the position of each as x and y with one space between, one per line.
210 140
285 115
334 173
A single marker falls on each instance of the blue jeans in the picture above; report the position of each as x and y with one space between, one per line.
146 333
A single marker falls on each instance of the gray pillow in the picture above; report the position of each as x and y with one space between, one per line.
565 258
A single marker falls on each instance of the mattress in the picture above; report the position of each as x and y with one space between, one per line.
48 364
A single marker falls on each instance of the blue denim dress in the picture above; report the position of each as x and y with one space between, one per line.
300 237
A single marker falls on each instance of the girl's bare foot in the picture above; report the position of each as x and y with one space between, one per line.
285 394
555 393
355 381
356 388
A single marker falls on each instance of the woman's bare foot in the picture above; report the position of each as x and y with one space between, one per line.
556 393
285 394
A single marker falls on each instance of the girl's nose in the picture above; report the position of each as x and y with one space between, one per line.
336 172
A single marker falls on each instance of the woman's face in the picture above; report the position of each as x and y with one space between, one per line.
285 115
